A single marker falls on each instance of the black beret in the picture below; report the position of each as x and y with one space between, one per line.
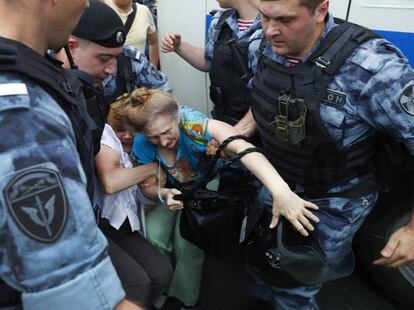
101 24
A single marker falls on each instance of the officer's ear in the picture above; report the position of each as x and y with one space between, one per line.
73 44
321 11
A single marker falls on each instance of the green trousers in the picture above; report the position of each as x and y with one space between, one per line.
163 230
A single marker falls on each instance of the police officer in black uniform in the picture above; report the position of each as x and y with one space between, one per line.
97 47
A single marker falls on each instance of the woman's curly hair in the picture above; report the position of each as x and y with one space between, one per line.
139 108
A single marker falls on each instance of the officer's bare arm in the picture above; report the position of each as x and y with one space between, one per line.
247 125
193 55
115 178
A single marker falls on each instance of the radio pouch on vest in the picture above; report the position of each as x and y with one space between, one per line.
289 123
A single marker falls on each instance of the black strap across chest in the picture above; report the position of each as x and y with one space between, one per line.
64 88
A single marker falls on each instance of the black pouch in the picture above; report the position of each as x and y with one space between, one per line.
213 224
215 220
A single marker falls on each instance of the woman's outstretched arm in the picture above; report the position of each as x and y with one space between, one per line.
285 202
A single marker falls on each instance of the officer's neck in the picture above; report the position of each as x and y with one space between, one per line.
316 36
247 10
32 35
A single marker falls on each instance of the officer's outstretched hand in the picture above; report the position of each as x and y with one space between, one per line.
399 250
295 210
171 42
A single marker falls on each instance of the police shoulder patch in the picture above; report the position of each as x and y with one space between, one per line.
334 98
37 202
406 99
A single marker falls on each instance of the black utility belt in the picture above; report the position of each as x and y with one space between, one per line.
361 189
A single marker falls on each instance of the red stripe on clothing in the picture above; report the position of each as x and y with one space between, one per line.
293 61
244 24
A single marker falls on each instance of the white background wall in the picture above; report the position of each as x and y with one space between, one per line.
338 8
395 15
186 17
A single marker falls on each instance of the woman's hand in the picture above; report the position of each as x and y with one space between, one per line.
295 210
212 147
168 195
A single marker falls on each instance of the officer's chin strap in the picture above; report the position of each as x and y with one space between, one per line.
70 58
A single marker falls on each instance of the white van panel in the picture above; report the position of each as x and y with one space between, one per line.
390 15
186 17
339 8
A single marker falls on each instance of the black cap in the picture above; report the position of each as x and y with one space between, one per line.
101 24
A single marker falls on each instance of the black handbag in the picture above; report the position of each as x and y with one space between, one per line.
215 220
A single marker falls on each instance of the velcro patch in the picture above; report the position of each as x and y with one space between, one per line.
13 89
37 203
406 99
334 98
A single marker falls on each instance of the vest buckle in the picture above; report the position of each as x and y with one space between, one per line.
322 63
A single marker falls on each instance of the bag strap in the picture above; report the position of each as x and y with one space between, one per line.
131 18
191 192
210 169
226 14
124 75
339 44
247 74
221 24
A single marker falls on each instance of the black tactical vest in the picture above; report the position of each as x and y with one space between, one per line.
66 87
73 91
229 75
314 163
125 81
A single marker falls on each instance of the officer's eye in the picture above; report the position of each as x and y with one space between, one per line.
265 18
104 59
286 20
